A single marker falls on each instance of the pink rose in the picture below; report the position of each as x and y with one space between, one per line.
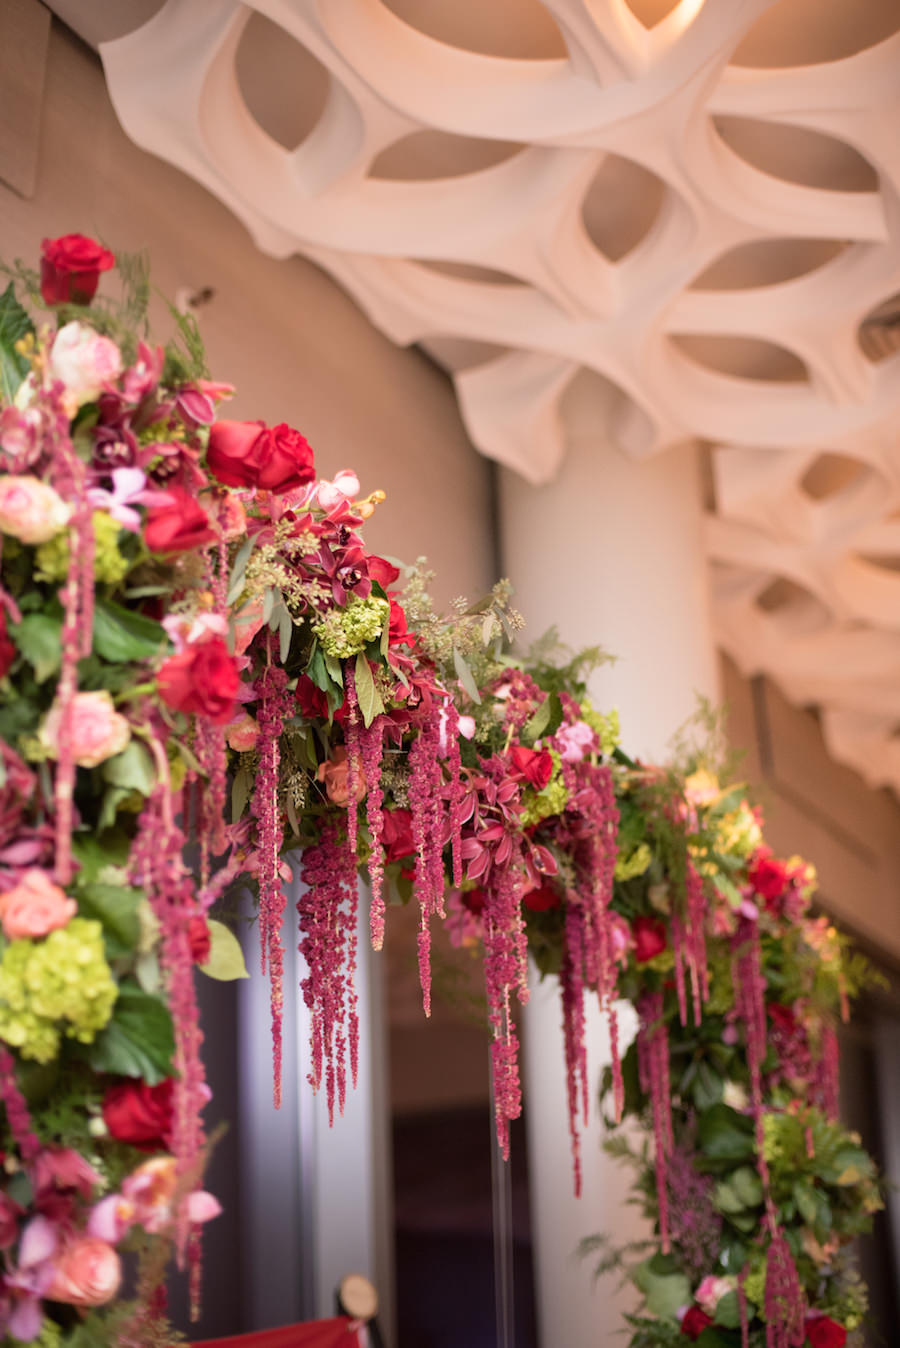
243 735
35 907
575 740
98 731
31 510
711 1291
85 362
88 1273
334 774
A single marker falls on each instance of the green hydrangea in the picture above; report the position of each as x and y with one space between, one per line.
110 566
606 726
755 1285
59 985
552 800
635 863
346 631
50 1335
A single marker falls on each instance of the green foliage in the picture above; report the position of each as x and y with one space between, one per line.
15 325
139 1040
121 635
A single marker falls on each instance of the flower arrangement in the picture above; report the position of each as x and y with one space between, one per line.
196 646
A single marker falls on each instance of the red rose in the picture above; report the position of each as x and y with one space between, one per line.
311 699
71 267
823 1332
201 679
179 526
542 898
649 935
397 836
694 1321
474 900
250 454
768 877
140 1114
199 937
7 649
535 765
382 571
398 632
782 1017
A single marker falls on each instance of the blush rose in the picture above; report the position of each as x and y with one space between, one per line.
203 679
251 454
88 1273
31 511
97 730
35 907
85 363
71 267
335 774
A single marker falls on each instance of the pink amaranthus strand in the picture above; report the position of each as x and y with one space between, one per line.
371 743
828 1086
426 807
750 1006
785 1303
504 937
17 1115
457 792
571 983
653 1071
157 866
327 913
272 709
69 478
354 755
697 908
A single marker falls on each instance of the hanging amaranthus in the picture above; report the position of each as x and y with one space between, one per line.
653 1071
371 743
504 952
425 800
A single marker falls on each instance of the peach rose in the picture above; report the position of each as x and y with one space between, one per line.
31 510
334 774
243 735
85 362
34 907
98 730
88 1273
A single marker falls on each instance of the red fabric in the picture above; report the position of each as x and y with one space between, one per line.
315 1334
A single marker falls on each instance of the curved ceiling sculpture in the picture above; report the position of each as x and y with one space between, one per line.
698 201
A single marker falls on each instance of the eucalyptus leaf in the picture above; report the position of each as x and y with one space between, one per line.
285 634
367 695
240 793
226 958
335 671
464 674
236 579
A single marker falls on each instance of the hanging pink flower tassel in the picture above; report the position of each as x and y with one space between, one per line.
456 793
785 1304
273 707
828 1073
750 1006
653 1072
743 1309
327 912
371 743
504 936
354 756
571 984
17 1115
697 908
425 800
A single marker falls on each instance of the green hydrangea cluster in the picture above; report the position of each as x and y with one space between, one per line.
346 631
541 804
606 725
110 566
755 1284
634 863
59 985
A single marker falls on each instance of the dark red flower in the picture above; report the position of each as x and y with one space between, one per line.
10 1212
140 1114
474 900
179 526
535 765
398 632
783 1017
202 679
251 454
397 836
311 699
7 649
649 935
383 571
694 1321
199 937
823 1332
768 877
542 898
71 267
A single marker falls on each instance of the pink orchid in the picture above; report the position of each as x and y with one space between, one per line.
129 490
344 487
184 632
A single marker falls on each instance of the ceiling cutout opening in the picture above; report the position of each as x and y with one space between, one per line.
879 332
424 156
806 32
742 357
793 607
797 155
469 271
456 354
517 29
768 262
283 85
652 12
831 475
621 205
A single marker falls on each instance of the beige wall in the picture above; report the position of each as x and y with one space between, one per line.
296 347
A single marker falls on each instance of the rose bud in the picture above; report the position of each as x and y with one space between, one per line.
71 267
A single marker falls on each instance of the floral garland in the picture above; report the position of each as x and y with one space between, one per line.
196 646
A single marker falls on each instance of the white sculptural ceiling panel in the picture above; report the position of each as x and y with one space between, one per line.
698 201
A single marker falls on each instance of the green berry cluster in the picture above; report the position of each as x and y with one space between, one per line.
346 631
110 566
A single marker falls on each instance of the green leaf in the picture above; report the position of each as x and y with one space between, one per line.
39 638
14 325
335 670
728 1311
132 769
236 579
664 1293
464 674
122 636
748 1186
805 1198
95 853
139 1040
711 1337
285 633
115 907
226 958
724 1134
367 695
545 721
707 1086
240 793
